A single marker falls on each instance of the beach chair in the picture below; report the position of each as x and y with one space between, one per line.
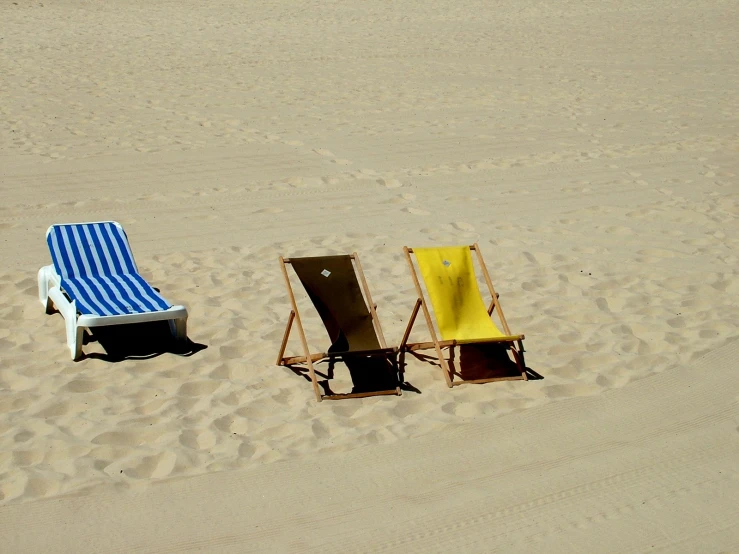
462 318
93 282
350 318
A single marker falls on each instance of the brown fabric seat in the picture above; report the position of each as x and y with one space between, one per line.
350 320
332 286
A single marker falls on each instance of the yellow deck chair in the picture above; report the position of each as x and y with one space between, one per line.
462 318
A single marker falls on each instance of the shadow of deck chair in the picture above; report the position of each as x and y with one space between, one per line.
461 316
350 318
95 282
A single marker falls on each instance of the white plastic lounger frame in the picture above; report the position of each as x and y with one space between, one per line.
94 282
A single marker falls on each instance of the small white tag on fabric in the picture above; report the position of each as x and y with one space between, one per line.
446 263
325 273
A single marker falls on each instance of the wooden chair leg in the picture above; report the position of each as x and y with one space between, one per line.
491 307
495 304
314 381
521 351
409 327
427 316
402 348
445 367
301 331
281 355
437 347
394 362
518 358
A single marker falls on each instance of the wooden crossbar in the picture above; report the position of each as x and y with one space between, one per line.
490 380
361 394
514 342
383 352
447 343
308 358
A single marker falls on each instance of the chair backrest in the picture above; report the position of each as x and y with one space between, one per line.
451 284
89 249
331 283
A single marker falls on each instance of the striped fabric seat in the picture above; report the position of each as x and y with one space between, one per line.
98 271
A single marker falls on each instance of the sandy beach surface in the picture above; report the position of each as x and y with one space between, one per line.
590 148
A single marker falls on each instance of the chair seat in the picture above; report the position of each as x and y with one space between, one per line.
122 294
461 315
95 282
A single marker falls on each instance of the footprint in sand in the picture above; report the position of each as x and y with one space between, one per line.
83 385
295 182
247 450
462 226
202 439
657 253
416 211
123 438
395 200
328 154
618 230
390 183
153 467
198 388
571 390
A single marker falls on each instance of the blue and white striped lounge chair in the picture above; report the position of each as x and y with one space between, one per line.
94 282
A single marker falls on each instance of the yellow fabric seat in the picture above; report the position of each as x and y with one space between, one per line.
461 315
452 287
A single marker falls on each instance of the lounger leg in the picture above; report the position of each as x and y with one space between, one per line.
75 335
69 313
178 327
43 290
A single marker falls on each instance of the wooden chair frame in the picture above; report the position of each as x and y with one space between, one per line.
515 346
308 358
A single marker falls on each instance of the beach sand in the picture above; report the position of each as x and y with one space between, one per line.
591 150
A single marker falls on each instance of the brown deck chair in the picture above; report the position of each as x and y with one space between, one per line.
460 311
350 320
